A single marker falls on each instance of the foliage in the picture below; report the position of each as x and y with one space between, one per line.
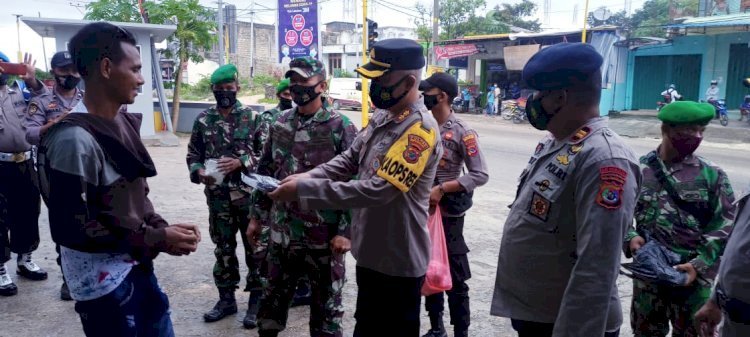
342 73
273 101
113 10
619 19
516 15
261 80
654 15
42 75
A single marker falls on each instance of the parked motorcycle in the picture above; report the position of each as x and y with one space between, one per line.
745 109
666 99
721 110
458 104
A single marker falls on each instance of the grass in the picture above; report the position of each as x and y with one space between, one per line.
273 101
201 91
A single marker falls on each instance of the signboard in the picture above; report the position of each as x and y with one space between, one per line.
298 29
517 56
455 50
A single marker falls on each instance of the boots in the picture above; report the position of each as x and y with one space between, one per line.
226 306
251 317
7 287
437 328
268 333
460 331
65 292
28 269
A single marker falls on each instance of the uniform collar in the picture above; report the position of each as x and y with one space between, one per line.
235 110
322 115
586 130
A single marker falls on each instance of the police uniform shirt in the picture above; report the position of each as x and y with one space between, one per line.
461 146
45 107
734 272
12 129
564 231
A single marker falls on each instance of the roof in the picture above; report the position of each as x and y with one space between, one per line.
46 27
714 21
514 36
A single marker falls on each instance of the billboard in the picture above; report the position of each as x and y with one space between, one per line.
298 29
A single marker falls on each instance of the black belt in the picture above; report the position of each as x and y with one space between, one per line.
737 310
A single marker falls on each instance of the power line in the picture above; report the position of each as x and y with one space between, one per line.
397 10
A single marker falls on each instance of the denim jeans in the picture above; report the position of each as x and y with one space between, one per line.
138 307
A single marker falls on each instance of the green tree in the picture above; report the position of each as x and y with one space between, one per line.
651 19
619 19
516 15
195 25
458 18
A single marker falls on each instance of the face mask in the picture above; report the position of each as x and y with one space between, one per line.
382 97
285 103
537 115
686 145
430 101
67 82
303 95
3 79
225 99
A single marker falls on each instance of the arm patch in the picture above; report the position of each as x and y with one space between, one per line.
405 161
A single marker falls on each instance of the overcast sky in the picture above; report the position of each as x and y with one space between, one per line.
562 15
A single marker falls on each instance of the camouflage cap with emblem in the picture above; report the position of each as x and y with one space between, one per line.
306 67
225 73
687 113
393 54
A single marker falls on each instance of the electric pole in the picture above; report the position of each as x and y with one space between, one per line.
220 13
44 50
18 31
365 55
252 38
435 27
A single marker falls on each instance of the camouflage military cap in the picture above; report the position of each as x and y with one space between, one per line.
687 112
225 73
306 67
283 85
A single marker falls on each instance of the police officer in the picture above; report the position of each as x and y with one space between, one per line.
19 192
229 134
732 292
686 205
453 192
394 159
559 254
310 243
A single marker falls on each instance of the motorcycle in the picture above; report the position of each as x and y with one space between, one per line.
458 104
745 109
721 110
666 100
512 111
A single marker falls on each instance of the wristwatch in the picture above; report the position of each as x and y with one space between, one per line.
440 187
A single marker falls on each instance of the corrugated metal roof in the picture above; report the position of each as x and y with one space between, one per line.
714 21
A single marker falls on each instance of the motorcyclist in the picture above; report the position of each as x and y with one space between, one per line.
672 93
712 95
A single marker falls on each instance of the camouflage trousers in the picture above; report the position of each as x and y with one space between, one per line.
654 307
326 272
228 214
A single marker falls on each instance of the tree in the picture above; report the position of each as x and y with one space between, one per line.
195 25
516 15
458 18
651 19
619 19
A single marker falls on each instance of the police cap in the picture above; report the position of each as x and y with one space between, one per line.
61 59
393 54
225 73
687 112
445 82
561 66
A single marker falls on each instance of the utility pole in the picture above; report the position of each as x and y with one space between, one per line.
365 85
435 27
356 21
44 50
252 38
220 13
18 31
585 22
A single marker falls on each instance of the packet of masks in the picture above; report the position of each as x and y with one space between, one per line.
212 170
260 182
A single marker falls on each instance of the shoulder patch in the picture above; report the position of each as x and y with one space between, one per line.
470 142
33 108
612 179
402 116
405 161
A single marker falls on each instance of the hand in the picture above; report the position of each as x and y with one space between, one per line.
30 63
295 177
228 165
690 270
340 244
253 232
435 196
204 179
285 192
190 227
707 318
636 243
180 240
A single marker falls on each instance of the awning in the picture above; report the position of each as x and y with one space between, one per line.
714 21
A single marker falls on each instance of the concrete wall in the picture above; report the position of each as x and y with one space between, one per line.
715 60
265 49
144 101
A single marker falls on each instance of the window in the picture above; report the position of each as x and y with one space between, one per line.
334 62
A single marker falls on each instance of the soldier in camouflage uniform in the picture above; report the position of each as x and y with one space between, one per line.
304 242
685 204
230 134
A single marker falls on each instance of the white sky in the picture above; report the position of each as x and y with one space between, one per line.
561 16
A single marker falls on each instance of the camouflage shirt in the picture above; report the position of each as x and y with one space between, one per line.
266 120
697 181
297 144
237 136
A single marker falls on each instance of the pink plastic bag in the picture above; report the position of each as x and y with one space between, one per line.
438 277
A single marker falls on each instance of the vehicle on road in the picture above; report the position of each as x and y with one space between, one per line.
345 93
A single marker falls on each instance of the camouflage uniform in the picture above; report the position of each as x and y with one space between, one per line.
236 136
300 240
658 218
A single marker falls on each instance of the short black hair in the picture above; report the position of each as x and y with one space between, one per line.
95 42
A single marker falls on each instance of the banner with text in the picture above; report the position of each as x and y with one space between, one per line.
455 50
298 29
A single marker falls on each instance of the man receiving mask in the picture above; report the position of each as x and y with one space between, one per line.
686 204
224 143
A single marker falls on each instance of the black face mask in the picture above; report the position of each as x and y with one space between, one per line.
3 79
67 82
285 103
537 115
225 99
430 101
303 95
382 97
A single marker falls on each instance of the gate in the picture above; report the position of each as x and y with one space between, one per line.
653 74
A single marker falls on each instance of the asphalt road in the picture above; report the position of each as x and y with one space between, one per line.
36 310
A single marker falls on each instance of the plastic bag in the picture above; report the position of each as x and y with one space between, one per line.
438 276
212 170
262 183
654 263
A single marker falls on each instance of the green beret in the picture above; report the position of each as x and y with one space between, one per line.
687 112
283 85
225 73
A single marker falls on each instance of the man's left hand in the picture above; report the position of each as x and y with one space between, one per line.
340 244
285 192
435 196
692 274
228 165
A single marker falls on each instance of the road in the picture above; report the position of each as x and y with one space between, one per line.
36 310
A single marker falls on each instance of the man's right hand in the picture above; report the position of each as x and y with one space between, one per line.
707 318
205 179
253 232
295 177
636 243
181 240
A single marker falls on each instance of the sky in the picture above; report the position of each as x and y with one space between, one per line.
385 12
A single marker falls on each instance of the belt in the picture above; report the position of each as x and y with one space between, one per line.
18 157
737 310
